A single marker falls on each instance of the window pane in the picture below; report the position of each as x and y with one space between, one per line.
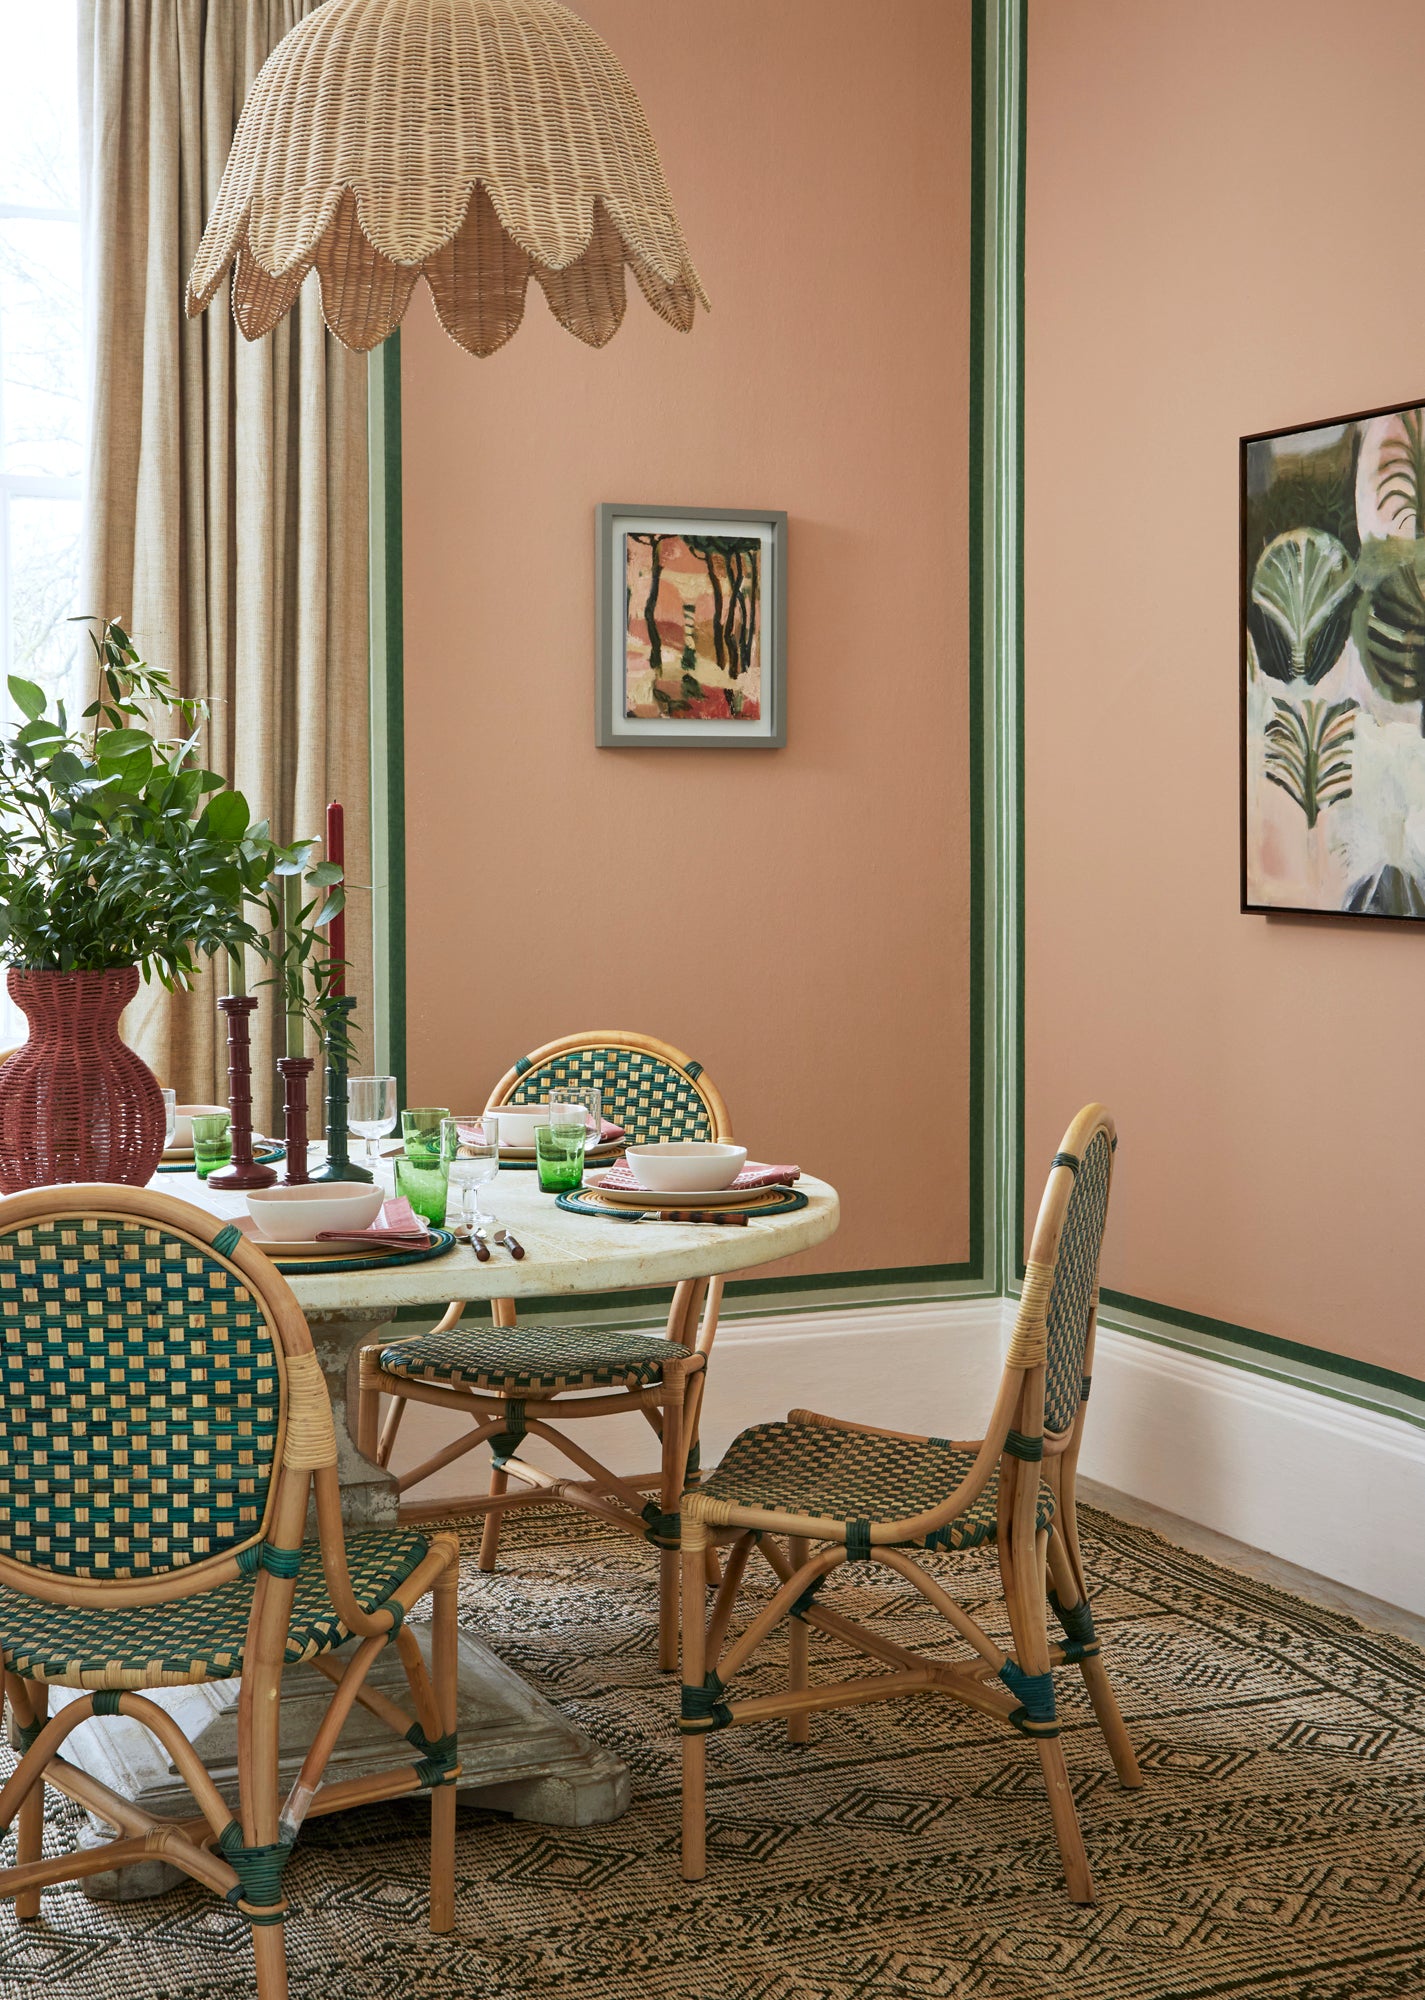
44 581
41 363
39 104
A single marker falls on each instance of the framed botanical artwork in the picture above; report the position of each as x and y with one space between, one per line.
692 628
1333 666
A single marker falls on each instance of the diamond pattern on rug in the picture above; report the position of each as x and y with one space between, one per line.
1277 1851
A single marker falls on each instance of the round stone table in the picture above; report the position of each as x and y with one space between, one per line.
519 1753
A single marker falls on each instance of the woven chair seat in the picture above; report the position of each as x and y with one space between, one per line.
514 1359
195 1638
848 1476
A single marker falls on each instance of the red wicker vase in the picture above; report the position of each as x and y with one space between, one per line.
76 1104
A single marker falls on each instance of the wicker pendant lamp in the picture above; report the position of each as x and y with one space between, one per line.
477 142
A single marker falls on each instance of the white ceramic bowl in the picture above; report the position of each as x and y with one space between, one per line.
686 1166
184 1114
517 1122
295 1214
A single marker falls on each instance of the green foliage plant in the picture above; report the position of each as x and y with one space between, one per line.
118 848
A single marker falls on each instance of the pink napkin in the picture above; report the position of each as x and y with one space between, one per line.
608 1132
397 1227
754 1175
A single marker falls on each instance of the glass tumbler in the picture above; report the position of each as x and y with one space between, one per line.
559 1151
425 1184
212 1142
420 1132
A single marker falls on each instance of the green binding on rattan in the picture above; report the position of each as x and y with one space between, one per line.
266 1555
227 1239
1069 1160
1036 1715
259 1873
26 1734
804 1602
1027 1448
858 1541
504 1444
1077 1621
440 1763
665 1531
703 1708
106 1701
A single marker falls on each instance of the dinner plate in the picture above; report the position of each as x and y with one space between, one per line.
637 1197
306 1247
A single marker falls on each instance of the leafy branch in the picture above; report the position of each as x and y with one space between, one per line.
118 848
1400 484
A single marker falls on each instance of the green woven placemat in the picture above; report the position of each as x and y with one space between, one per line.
263 1156
579 1204
369 1260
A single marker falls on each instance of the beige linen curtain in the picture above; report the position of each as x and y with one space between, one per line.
226 517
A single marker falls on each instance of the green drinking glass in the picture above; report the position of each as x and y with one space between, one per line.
212 1142
420 1130
559 1155
425 1184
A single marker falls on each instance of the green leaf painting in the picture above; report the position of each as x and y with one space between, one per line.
1309 752
1400 477
1389 625
1300 611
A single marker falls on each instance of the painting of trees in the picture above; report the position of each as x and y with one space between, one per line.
693 608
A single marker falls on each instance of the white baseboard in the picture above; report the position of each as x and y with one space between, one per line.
1306 1477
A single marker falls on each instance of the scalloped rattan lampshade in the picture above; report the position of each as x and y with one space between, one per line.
481 142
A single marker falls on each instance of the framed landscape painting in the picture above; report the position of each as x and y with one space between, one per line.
1333 666
692 622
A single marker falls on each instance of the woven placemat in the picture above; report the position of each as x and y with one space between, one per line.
441 1240
760 1201
262 1156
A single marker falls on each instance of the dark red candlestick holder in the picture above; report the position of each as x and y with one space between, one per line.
294 1071
244 1171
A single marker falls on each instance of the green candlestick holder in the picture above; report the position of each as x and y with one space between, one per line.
339 1167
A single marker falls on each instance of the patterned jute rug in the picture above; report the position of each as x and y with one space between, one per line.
1277 1851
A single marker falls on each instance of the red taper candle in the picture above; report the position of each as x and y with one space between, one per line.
336 929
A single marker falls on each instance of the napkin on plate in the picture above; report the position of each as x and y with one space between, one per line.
398 1227
754 1175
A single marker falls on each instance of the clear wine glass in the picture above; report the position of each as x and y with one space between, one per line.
371 1109
472 1160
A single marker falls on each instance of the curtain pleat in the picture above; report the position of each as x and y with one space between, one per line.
226 512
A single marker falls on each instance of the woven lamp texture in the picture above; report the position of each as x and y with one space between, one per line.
477 142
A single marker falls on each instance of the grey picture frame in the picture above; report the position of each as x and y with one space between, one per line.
613 730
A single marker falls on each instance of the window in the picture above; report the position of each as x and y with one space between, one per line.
42 417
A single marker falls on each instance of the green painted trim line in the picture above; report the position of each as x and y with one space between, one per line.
1337 1375
998 593
982 1252
388 723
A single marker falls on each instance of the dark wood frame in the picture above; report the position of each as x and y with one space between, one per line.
1248 908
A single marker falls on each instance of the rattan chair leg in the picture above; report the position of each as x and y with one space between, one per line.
389 1429
269 1950
1026 1597
695 1748
30 1820
798 1640
670 1497
445 1662
1097 1684
490 1533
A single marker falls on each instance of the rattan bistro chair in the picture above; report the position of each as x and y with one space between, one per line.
873 1495
163 1421
511 1382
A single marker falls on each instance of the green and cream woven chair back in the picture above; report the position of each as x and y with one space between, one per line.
650 1088
144 1391
1059 1303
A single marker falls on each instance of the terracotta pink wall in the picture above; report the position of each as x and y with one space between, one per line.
797 919
1223 236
